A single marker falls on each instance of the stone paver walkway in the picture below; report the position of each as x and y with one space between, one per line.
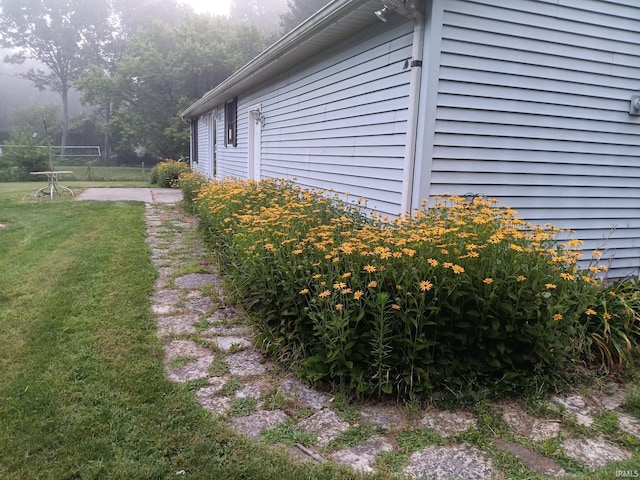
208 342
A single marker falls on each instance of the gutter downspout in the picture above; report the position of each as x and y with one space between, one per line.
413 113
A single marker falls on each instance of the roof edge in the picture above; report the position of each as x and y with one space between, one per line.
317 22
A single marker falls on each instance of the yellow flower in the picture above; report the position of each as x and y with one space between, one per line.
425 286
268 246
398 287
370 268
432 261
340 285
457 269
589 312
324 294
339 306
395 306
317 276
304 291
557 316
345 291
346 275
550 286
521 278
488 280
596 253
297 252
567 276
606 315
372 284
358 294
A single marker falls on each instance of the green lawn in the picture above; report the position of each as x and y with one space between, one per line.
82 390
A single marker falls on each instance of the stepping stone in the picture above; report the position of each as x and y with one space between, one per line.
527 426
575 405
246 363
162 309
294 389
448 423
196 280
192 370
176 325
211 401
254 389
227 331
450 462
594 452
254 424
386 416
613 400
200 305
536 462
326 424
226 344
629 424
362 457
223 314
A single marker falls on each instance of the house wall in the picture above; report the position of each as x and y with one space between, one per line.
337 122
203 164
528 103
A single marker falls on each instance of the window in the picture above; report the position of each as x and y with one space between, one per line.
231 122
194 140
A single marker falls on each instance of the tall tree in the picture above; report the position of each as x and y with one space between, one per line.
165 68
58 34
264 15
299 11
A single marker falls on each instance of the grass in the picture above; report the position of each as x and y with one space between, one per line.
83 393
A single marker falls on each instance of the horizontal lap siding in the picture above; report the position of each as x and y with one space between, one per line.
338 122
532 109
203 164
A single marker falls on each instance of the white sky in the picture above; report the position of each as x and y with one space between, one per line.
215 7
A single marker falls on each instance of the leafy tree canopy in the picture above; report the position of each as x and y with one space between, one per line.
299 11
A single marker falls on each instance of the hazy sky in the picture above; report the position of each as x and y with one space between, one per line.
215 7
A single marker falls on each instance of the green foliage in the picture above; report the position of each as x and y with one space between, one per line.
166 174
22 157
190 183
461 296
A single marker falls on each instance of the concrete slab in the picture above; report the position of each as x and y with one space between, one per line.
296 390
226 344
147 195
528 426
197 280
387 416
176 325
246 363
575 405
448 423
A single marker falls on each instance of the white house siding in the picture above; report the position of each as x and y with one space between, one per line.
337 122
203 163
532 108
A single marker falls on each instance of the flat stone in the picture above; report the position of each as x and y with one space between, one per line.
612 400
196 280
362 457
215 405
193 370
536 462
527 426
162 309
227 343
254 424
575 405
594 452
294 389
246 363
629 424
254 389
448 423
224 330
200 305
166 296
326 424
389 417
222 315
176 325
449 462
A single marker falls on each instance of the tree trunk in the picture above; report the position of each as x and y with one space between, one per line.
107 135
65 120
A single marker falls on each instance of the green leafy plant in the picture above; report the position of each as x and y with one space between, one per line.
167 173
460 295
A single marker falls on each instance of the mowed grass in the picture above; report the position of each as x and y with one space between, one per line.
83 394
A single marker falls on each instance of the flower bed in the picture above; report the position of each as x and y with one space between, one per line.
462 293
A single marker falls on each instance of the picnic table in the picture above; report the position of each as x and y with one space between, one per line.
53 187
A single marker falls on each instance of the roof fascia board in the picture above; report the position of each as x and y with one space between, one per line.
320 20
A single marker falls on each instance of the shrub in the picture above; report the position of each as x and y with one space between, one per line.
166 173
22 157
191 183
463 293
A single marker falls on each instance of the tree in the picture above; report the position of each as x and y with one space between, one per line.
299 11
58 34
165 68
264 15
